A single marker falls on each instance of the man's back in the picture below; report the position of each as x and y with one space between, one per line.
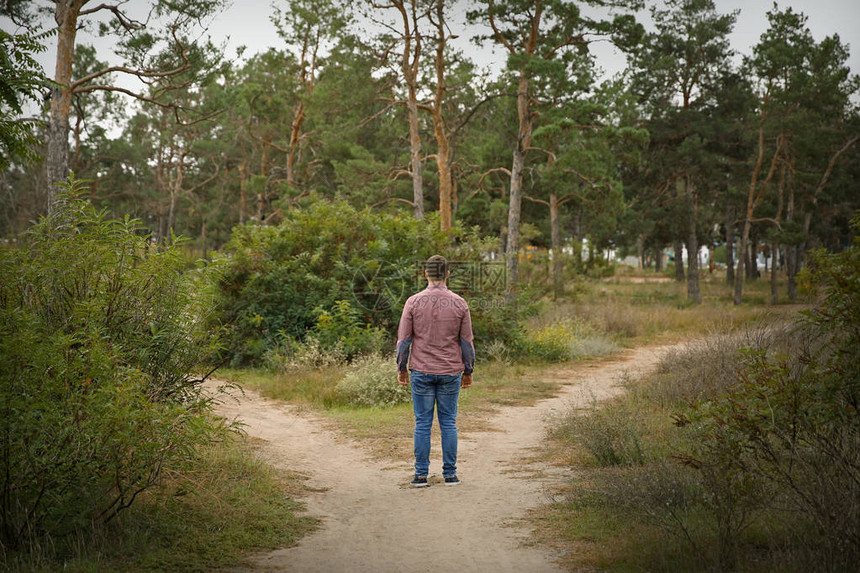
438 323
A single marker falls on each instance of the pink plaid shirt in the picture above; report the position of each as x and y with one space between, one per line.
436 324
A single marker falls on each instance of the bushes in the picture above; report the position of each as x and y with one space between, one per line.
100 346
323 266
372 381
765 454
610 434
754 443
565 339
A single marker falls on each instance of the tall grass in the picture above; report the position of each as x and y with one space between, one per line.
725 459
210 514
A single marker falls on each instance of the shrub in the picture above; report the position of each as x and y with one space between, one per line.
283 279
610 434
661 493
705 368
291 355
565 339
496 351
100 346
342 327
371 381
784 432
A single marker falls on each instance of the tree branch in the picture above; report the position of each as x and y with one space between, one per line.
533 200
767 220
390 199
496 32
578 174
490 172
208 180
830 165
257 138
472 112
139 96
126 22
140 74
547 152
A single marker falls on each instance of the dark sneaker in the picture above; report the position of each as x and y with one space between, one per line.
419 482
453 480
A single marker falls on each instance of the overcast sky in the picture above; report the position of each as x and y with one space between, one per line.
247 23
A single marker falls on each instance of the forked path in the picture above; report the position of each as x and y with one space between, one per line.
373 522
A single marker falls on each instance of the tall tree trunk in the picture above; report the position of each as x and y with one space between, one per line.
444 151
295 137
730 242
555 234
577 238
693 292
742 260
752 255
443 164
792 267
640 251
774 294
515 199
175 190
512 248
243 199
409 67
57 160
679 260
754 196
658 261
416 161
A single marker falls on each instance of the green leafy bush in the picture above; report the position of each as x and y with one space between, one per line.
322 267
342 327
769 421
100 347
371 381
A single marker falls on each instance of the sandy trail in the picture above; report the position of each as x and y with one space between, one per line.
373 522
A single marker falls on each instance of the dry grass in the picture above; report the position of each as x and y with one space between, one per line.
680 506
206 516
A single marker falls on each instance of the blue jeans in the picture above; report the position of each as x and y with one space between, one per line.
442 392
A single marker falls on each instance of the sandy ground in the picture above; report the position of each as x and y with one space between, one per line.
372 521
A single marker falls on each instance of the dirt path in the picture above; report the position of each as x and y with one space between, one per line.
373 522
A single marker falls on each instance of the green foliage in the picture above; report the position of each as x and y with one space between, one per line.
565 339
101 346
21 79
343 326
782 432
323 268
177 527
371 381
750 443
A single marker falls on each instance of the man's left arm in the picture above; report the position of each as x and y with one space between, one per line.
404 345
467 348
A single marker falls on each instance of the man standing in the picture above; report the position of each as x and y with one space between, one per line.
436 325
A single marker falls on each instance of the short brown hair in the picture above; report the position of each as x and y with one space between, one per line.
436 267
